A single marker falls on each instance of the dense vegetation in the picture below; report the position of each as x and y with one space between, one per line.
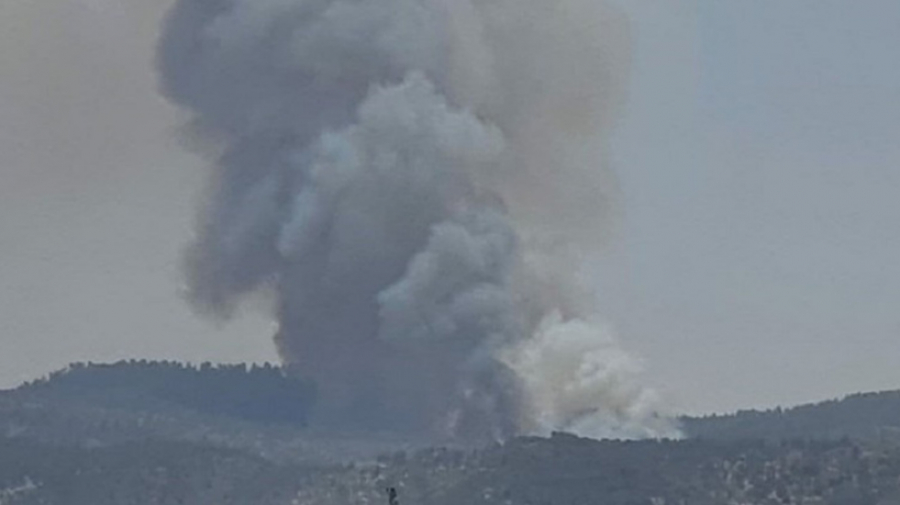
163 433
562 470
260 409
566 470
148 472
870 416
256 393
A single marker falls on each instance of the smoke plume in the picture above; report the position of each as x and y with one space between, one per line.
416 183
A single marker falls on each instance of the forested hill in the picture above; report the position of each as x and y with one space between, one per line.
262 409
258 393
567 470
150 472
561 470
150 433
134 399
869 416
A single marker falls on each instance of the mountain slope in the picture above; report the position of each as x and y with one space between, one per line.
166 434
869 416
565 470
259 409
148 472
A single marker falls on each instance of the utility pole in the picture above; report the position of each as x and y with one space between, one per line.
392 496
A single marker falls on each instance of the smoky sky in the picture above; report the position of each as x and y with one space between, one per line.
419 186
753 262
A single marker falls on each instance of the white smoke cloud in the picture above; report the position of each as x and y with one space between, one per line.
577 378
418 182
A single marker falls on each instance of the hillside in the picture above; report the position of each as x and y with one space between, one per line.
148 472
566 470
868 416
265 394
262 410
148 433
562 470
249 407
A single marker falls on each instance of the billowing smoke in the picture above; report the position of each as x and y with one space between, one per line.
416 183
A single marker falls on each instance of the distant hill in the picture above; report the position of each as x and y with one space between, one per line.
561 470
566 470
868 416
147 472
131 400
257 393
149 433
261 409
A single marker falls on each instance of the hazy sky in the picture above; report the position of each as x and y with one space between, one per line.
756 262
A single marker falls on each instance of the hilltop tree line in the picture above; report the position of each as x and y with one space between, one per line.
870 416
164 433
260 393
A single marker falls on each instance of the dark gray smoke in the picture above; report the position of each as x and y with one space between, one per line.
416 182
